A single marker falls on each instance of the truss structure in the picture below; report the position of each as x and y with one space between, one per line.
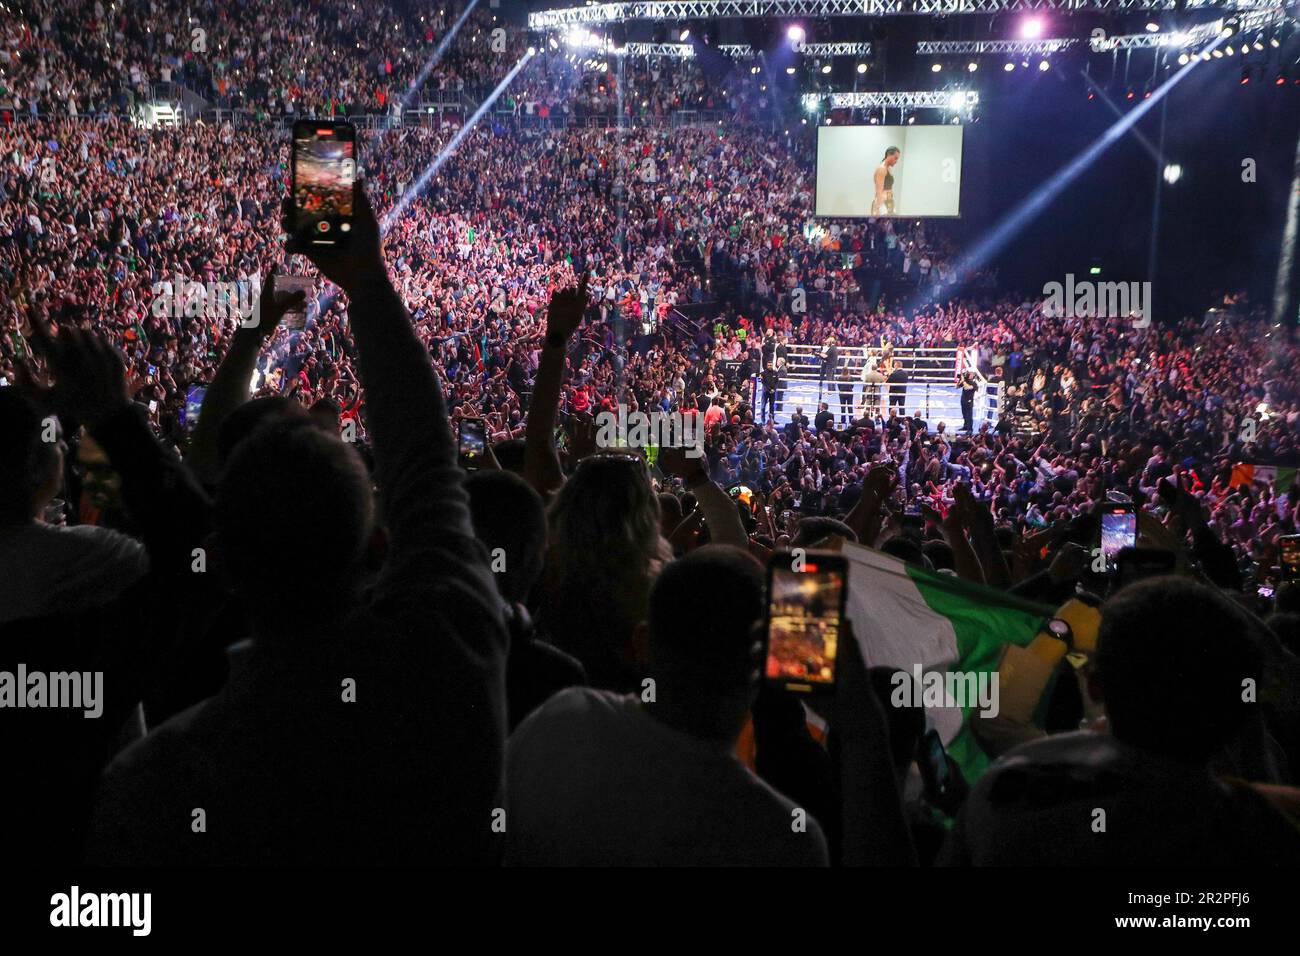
741 9
920 99
835 49
979 47
1252 22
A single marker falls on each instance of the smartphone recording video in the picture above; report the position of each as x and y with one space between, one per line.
472 442
805 618
1136 564
932 761
1118 530
324 169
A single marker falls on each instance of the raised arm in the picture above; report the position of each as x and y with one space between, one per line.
425 507
563 316
229 387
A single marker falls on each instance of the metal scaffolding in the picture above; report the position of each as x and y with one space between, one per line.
740 9
977 47
897 99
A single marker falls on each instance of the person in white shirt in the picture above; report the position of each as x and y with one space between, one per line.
46 568
595 778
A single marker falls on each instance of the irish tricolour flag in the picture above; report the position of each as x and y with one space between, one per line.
905 616
1282 476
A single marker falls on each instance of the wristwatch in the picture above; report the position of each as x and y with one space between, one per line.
1061 630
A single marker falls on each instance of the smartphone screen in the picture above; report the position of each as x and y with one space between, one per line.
193 403
472 442
932 761
1118 531
1134 564
324 168
805 617
1288 547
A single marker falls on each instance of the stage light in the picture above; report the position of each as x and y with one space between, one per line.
1090 94
1205 56
1245 75
1257 45
796 34
1009 67
826 68
862 68
1031 28
1173 173
1182 59
553 43
1227 50
1245 48
1153 27
1230 27
790 70
532 51
957 100
936 67
911 120
1281 80
1043 66
1273 42
1217 54
1130 94
954 121
684 35
972 66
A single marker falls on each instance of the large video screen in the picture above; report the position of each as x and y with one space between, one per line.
883 171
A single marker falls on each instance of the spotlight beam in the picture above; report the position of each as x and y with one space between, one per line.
418 187
1016 220
437 53
1137 133
1288 275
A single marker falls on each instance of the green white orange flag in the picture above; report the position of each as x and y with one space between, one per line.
946 630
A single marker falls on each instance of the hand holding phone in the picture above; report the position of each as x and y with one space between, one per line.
1118 530
323 170
805 619
471 442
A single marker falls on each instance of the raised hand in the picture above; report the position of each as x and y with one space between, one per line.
675 462
564 314
89 374
272 305
351 266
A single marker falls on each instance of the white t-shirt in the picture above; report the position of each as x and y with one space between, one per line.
592 779
45 569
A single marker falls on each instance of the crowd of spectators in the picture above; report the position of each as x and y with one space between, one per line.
495 631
